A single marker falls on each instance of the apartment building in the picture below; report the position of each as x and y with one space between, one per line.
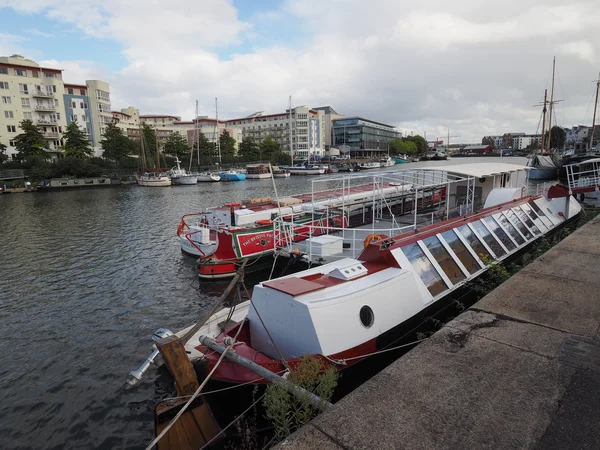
523 141
329 115
29 91
208 128
77 108
101 112
307 130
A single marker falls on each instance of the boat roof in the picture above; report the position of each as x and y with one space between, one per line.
480 170
587 161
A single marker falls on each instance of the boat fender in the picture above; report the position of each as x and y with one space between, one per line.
264 222
370 238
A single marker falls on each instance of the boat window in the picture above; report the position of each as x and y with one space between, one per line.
512 216
64 183
474 242
527 220
367 318
89 181
444 259
510 228
541 214
461 251
541 225
75 181
423 267
489 239
499 232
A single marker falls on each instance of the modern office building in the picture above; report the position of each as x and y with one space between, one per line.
329 115
363 137
77 108
29 91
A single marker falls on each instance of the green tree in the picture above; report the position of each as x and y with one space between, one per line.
248 150
3 155
76 142
558 137
177 146
206 148
116 146
402 146
268 147
420 142
30 142
150 145
227 144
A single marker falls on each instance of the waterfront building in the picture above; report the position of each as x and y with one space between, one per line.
362 136
29 91
306 125
101 111
329 115
77 108
524 141
208 128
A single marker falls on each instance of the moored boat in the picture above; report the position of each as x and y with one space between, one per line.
57 184
279 172
307 169
387 161
542 168
232 175
257 171
181 176
154 179
210 177
351 308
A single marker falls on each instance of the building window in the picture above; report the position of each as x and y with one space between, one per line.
12 143
35 74
9 114
3 84
49 75
4 70
27 116
54 89
23 88
11 128
81 104
81 91
25 103
20 73
73 118
6 100
70 91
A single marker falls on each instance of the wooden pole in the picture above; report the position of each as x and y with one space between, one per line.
595 106
173 352
551 107
239 274
266 374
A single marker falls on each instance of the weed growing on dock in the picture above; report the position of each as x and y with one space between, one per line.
288 412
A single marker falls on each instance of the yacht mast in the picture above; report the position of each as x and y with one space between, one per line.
144 165
218 141
290 128
544 121
157 165
595 106
551 106
195 139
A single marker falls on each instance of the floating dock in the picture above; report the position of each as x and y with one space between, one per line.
520 369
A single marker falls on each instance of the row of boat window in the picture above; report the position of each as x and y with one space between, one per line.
448 258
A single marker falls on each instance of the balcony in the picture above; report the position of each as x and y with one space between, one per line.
51 135
42 94
46 121
45 107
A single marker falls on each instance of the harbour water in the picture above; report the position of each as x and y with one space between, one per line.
85 278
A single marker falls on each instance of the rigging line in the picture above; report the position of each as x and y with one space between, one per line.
283 361
196 394
343 360
232 422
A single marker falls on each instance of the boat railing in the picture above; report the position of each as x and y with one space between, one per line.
583 176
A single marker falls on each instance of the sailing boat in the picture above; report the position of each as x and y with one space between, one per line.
231 174
181 176
542 167
152 177
201 176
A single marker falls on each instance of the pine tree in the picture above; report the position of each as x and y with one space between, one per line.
248 150
116 146
31 141
177 146
227 143
268 148
76 142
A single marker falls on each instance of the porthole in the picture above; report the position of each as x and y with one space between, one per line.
367 318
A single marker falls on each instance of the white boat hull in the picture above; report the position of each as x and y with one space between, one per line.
282 175
186 180
210 177
197 249
306 171
258 176
154 181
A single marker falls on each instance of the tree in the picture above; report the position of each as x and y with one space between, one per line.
558 137
227 143
420 142
268 147
207 149
177 146
31 141
116 146
76 142
3 155
402 147
248 150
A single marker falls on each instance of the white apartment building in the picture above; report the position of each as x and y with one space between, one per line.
577 135
166 125
101 112
208 128
28 91
521 142
307 126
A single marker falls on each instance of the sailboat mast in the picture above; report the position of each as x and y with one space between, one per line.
551 106
195 139
218 141
144 165
290 128
544 120
595 106
157 153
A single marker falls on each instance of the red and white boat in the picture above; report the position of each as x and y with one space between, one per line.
345 310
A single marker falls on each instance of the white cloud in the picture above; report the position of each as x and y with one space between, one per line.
38 33
476 68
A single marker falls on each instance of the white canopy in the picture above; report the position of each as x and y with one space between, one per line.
480 170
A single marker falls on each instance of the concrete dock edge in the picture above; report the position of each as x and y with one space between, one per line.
520 369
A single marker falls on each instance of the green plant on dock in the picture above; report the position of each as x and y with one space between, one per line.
288 412
496 274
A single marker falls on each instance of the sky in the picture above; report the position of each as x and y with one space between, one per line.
474 68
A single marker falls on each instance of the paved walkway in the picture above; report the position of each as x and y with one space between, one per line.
520 369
